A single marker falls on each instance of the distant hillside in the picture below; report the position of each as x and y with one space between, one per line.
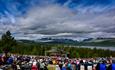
85 42
99 42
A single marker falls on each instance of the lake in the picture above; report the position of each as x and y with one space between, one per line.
100 47
112 48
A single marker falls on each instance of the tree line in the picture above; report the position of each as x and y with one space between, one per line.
9 44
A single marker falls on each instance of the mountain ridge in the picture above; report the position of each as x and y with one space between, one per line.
85 42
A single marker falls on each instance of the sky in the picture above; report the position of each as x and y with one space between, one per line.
72 19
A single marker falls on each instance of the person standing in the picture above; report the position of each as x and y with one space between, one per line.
34 66
101 66
112 66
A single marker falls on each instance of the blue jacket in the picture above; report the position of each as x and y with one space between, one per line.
63 68
10 60
113 66
102 66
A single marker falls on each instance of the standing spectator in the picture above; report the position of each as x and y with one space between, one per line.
112 66
10 60
1 61
86 65
41 65
64 67
69 66
38 65
14 66
34 66
101 66
77 65
57 67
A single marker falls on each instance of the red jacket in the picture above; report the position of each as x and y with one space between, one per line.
34 67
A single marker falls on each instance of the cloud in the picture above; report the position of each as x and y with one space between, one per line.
53 19
50 19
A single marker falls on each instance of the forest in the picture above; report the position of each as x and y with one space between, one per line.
9 44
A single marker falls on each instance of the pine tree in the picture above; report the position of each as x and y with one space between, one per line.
7 42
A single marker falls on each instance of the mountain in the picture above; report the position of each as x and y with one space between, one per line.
99 42
85 42
56 40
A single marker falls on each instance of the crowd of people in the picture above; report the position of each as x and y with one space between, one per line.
28 62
